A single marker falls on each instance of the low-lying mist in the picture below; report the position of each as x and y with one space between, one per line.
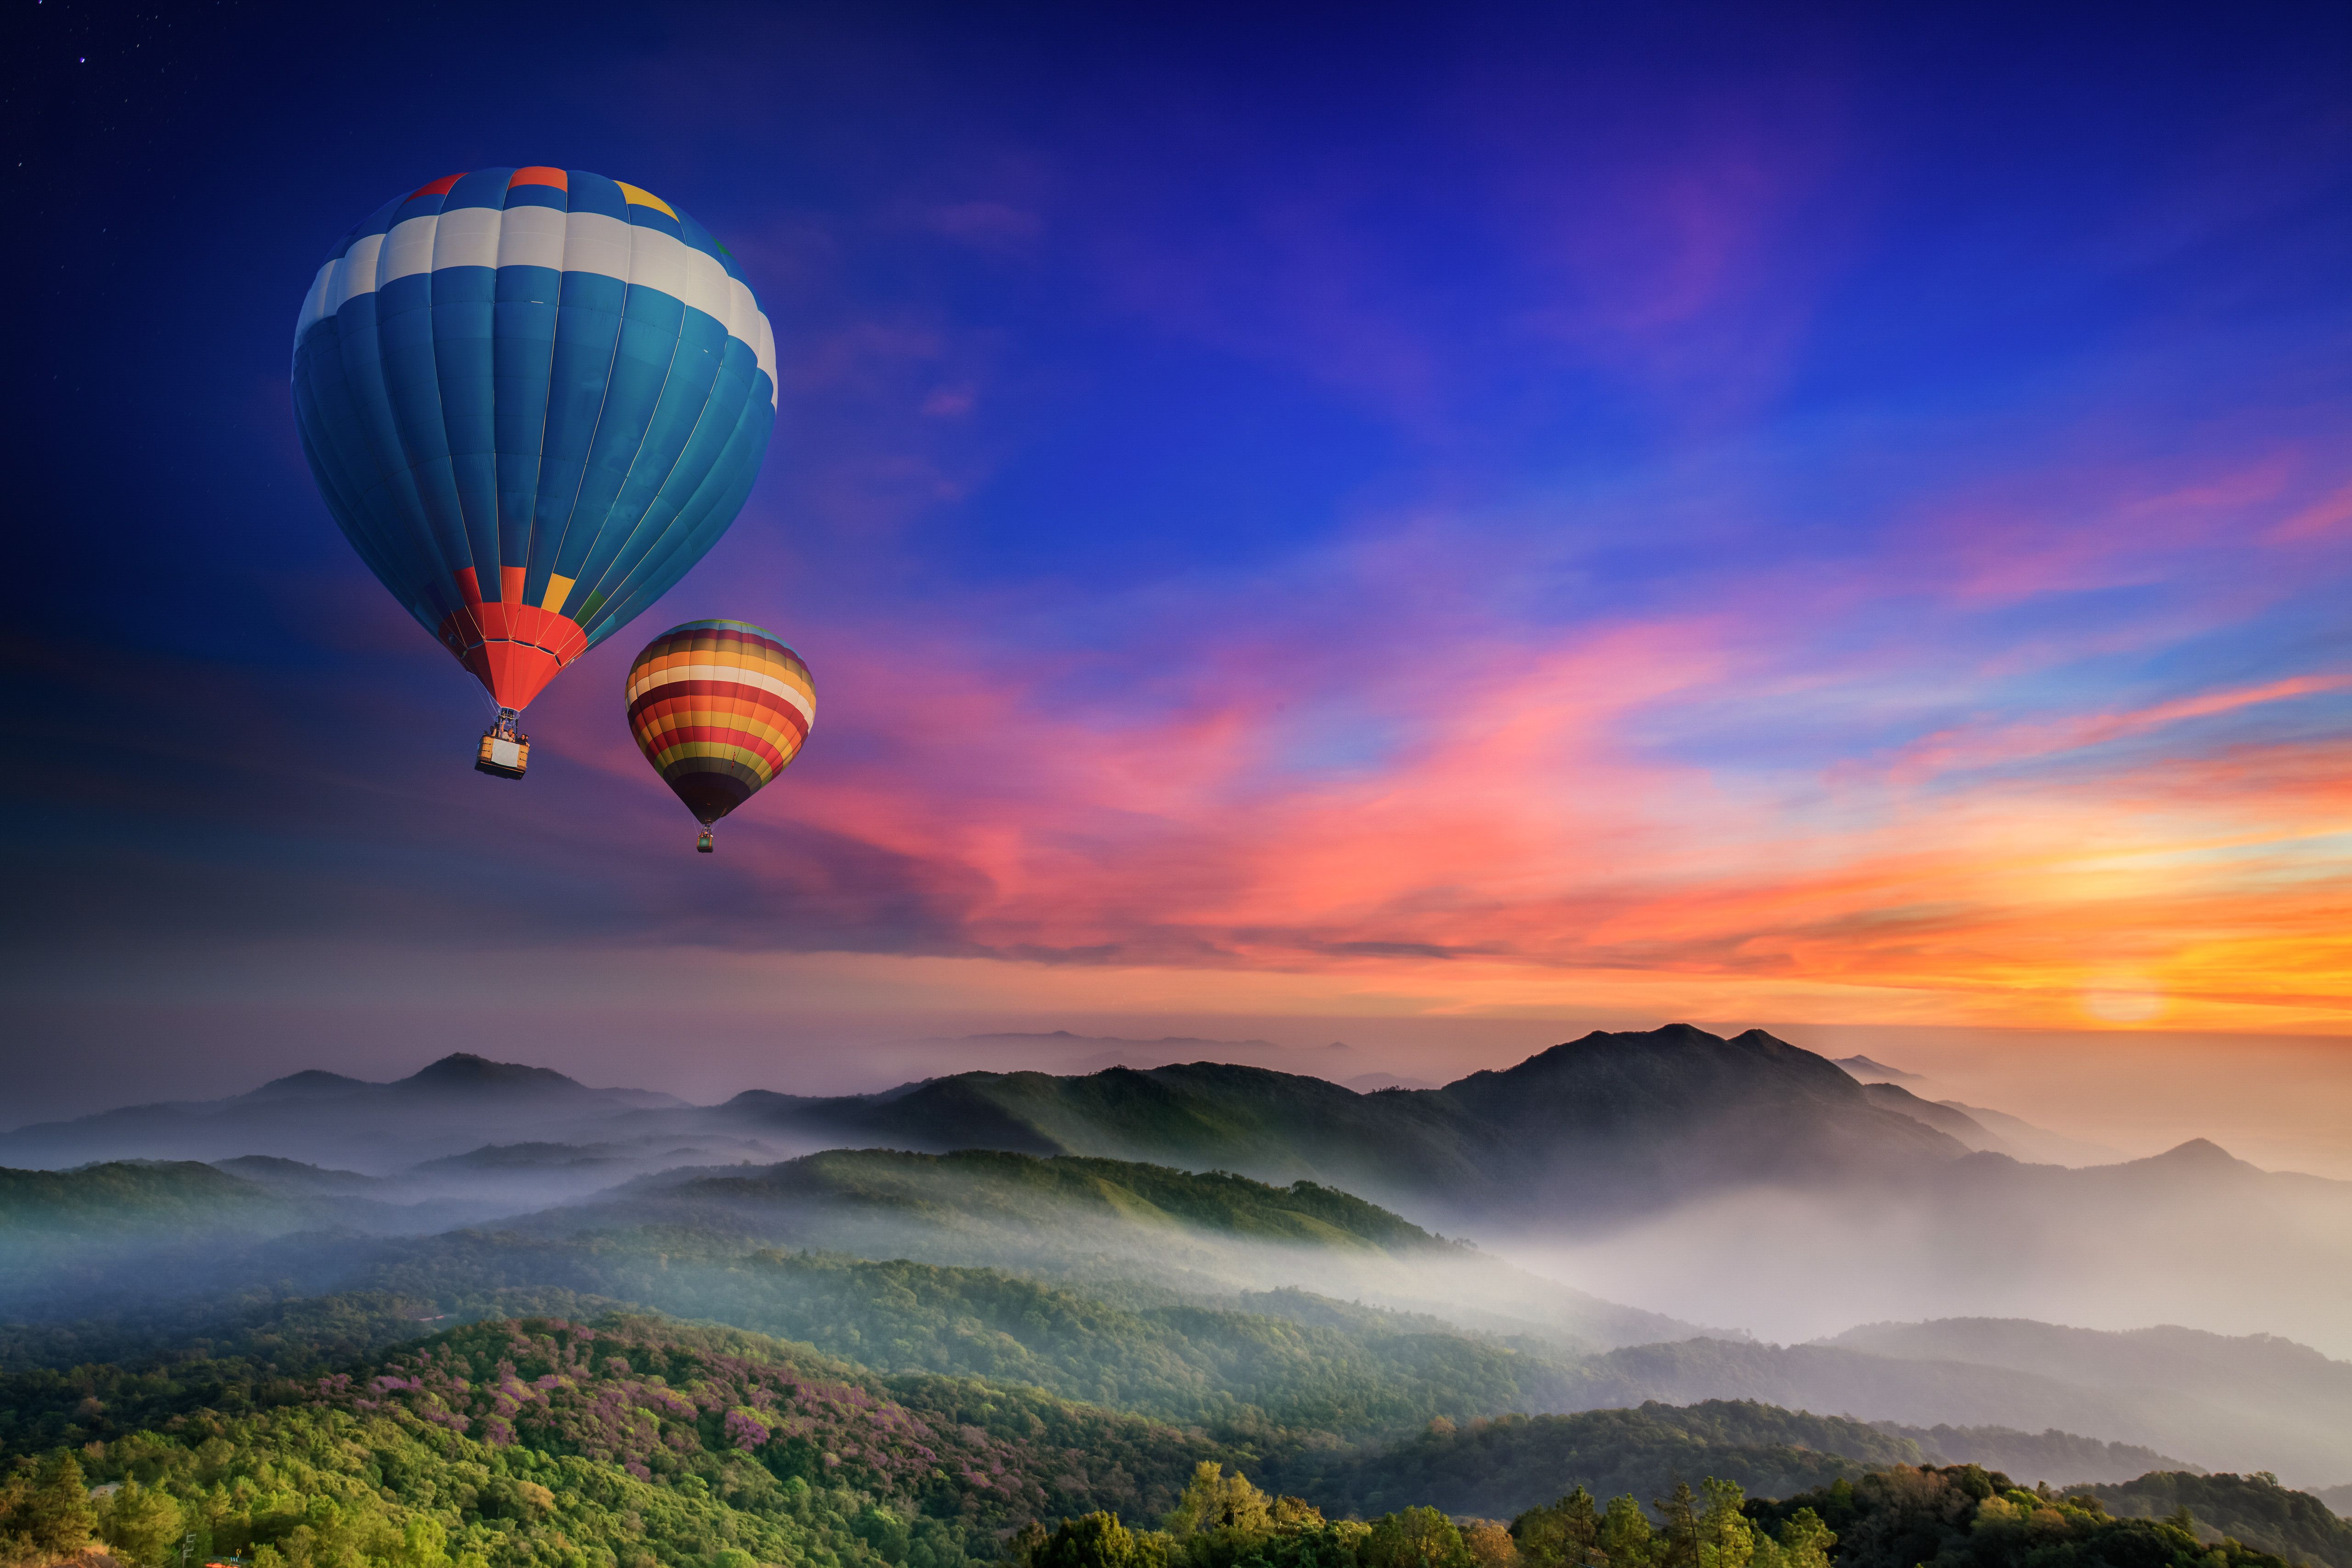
1790 1265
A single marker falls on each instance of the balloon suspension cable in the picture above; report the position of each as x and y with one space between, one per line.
704 846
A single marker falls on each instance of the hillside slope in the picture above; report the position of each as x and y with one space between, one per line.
1087 1219
2254 1509
2256 1402
1596 1129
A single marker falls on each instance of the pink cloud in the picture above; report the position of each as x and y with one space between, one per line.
1952 750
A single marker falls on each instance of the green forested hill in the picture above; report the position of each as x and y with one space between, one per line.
51 1208
1608 1124
2254 1509
1503 1466
629 1441
547 1442
2062 1458
1096 1220
1112 1202
1352 1374
1962 1516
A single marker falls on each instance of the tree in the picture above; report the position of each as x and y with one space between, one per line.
1804 1542
1725 1537
1099 1540
1490 1545
1221 1518
55 1512
1022 1549
1415 1538
142 1525
1625 1535
1678 1528
1565 1534
1214 1501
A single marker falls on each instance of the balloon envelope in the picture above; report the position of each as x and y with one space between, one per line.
532 399
718 708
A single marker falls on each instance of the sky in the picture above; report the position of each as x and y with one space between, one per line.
1437 526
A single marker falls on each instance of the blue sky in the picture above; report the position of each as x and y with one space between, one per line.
1842 515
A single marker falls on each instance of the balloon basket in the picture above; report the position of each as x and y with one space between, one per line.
505 751
703 845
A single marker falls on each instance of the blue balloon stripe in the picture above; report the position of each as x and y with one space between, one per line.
463 308
522 370
699 517
685 399
323 426
641 364
601 532
587 333
723 410
361 341
413 389
335 443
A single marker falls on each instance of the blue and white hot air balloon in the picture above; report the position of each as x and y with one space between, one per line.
532 399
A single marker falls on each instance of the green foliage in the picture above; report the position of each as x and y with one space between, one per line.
625 1443
1219 1518
1500 1467
44 1510
1099 1540
142 1524
1023 1190
1626 1540
1963 1516
2059 1458
2254 1509
1564 1534
1251 1377
1414 1537
131 1197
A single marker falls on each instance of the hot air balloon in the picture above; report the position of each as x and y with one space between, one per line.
532 399
719 708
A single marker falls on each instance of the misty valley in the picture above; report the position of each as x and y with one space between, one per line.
1660 1299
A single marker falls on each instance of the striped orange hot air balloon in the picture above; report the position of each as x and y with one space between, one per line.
718 708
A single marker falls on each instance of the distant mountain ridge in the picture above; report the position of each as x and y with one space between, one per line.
448 1107
1605 1126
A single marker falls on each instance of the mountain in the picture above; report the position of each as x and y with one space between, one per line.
125 1228
1902 1517
1869 1072
2060 1458
455 1104
71 1210
522 1440
2252 1509
546 1439
292 1178
1143 1252
1074 1218
1738 1181
1499 1467
1957 1125
2037 1145
1594 1132
2251 1401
